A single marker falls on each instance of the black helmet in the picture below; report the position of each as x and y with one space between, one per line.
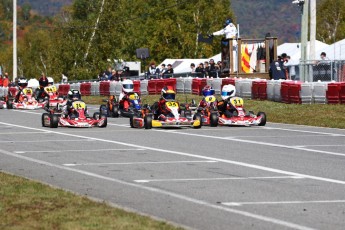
23 82
74 95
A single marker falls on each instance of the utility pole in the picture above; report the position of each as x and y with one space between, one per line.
312 34
14 40
304 40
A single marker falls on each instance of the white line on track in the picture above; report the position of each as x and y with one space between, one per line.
19 133
256 142
243 164
282 202
306 131
164 192
138 163
76 150
220 178
39 141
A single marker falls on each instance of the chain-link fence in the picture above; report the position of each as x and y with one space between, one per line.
325 70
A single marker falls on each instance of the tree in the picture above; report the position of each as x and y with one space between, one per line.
331 21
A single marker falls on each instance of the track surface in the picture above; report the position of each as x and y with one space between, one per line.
273 177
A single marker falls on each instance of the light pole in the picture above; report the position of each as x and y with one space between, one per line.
14 40
304 5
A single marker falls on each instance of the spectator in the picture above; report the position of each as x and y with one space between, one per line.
200 71
64 79
169 72
276 70
207 69
212 69
291 68
1 80
6 82
119 75
324 56
229 30
162 70
113 76
153 70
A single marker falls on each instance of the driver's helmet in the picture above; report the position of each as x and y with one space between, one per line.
127 86
227 22
50 81
23 83
74 95
208 91
228 91
168 93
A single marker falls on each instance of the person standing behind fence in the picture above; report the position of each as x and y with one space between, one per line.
212 69
276 70
169 72
200 71
162 70
291 68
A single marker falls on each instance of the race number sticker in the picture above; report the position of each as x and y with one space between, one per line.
50 89
171 104
27 91
133 96
236 101
210 99
78 105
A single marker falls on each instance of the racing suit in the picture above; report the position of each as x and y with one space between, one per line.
20 95
160 110
124 101
225 108
68 110
43 82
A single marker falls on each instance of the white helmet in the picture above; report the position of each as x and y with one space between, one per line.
127 86
50 80
228 91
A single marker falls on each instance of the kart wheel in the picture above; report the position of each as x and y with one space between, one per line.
96 115
213 120
103 110
105 121
131 121
197 116
9 104
263 119
148 122
115 112
54 121
45 116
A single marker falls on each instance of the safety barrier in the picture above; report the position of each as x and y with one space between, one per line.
85 89
333 93
197 85
63 89
104 88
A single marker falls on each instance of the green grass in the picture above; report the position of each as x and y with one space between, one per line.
25 204
323 115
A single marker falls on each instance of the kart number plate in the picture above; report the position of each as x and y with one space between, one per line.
171 104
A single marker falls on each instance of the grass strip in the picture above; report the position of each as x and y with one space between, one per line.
26 204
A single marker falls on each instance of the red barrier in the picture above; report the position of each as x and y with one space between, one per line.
294 93
284 91
136 84
333 93
159 85
85 89
259 89
198 84
342 93
104 88
228 81
255 89
151 87
63 89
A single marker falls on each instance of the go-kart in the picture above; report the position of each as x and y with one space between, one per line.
76 119
209 113
26 101
114 109
52 99
173 119
240 117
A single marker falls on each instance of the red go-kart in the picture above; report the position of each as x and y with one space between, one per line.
76 119
26 101
241 117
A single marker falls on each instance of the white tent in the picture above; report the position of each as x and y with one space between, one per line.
294 49
336 51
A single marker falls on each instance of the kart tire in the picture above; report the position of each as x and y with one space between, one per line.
263 119
148 122
96 115
131 121
54 121
105 123
213 120
103 110
9 104
115 112
45 116
197 116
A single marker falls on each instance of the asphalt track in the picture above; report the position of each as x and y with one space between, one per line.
275 177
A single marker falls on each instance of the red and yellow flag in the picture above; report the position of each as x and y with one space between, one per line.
245 61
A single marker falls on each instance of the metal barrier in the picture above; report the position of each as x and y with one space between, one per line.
324 70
